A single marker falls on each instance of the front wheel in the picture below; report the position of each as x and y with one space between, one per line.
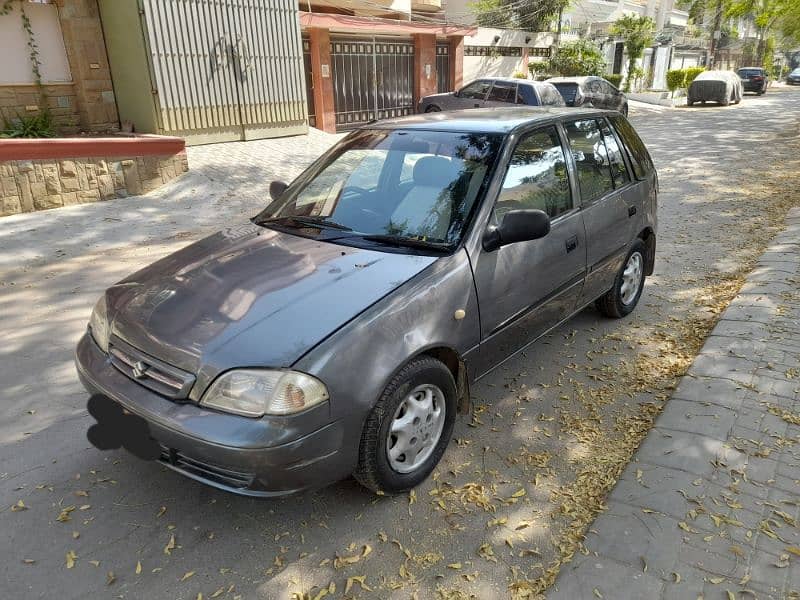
433 108
409 428
620 300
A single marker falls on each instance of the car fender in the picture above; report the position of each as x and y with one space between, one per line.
434 311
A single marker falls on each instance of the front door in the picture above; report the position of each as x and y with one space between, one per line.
472 95
527 287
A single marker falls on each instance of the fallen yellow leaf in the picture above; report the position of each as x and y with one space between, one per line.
71 557
170 545
187 575
138 567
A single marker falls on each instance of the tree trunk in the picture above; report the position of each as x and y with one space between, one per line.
631 67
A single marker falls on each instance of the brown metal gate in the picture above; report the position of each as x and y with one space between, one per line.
226 69
443 68
373 78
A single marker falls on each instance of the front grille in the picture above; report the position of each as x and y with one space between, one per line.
205 471
150 372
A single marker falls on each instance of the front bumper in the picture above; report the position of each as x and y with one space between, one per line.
264 457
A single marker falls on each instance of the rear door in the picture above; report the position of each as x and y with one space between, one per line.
607 199
503 93
527 287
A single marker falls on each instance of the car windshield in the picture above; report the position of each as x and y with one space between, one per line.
395 187
796 71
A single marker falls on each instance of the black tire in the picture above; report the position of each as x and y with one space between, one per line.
433 108
611 304
373 470
689 102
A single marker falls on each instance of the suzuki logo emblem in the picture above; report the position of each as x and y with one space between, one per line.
140 370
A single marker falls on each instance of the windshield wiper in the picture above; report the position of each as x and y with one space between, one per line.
410 242
321 222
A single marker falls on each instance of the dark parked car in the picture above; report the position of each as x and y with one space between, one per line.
339 332
793 78
494 91
590 91
722 87
754 79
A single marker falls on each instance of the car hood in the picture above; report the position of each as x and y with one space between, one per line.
439 96
251 297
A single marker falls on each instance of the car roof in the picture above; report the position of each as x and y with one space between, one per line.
506 79
483 120
759 68
582 79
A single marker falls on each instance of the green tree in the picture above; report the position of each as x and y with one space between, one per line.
637 33
580 57
528 15
768 16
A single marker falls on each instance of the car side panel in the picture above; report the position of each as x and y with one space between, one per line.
357 362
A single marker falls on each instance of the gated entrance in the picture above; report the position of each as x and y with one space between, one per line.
443 68
216 70
373 78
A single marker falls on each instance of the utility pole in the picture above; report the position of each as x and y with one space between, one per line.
716 33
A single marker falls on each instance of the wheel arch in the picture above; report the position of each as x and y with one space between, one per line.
648 236
455 364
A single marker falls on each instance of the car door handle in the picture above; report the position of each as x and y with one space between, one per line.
631 211
572 243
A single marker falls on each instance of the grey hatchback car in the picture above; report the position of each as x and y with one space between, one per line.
339 331
494 91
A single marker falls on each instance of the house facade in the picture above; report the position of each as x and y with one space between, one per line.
74 85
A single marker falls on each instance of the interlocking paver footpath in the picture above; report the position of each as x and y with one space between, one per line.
710 505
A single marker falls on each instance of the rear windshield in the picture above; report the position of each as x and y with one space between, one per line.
640 157
750 72
568 91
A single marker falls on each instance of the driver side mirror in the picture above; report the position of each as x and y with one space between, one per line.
517 226
276 189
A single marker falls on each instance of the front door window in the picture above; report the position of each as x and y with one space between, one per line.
536 177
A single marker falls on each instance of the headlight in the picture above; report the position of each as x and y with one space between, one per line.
98 323
256 392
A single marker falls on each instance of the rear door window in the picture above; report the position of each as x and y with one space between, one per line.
503 91
637 151
591 158
615 159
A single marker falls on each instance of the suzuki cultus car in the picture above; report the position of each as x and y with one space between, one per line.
339 331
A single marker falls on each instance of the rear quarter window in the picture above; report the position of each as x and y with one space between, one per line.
637 151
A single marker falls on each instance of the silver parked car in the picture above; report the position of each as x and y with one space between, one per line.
722 87
494 91
339 332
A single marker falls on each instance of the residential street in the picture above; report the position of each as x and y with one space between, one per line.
550 433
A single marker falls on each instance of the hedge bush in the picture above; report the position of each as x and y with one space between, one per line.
691 73
676 79
614 79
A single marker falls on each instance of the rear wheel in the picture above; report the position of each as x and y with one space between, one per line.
433 108
409 428
620 300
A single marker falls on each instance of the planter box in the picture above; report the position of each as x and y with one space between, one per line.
38 174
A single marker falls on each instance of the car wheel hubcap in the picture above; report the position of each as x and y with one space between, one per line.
415 429
631 278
